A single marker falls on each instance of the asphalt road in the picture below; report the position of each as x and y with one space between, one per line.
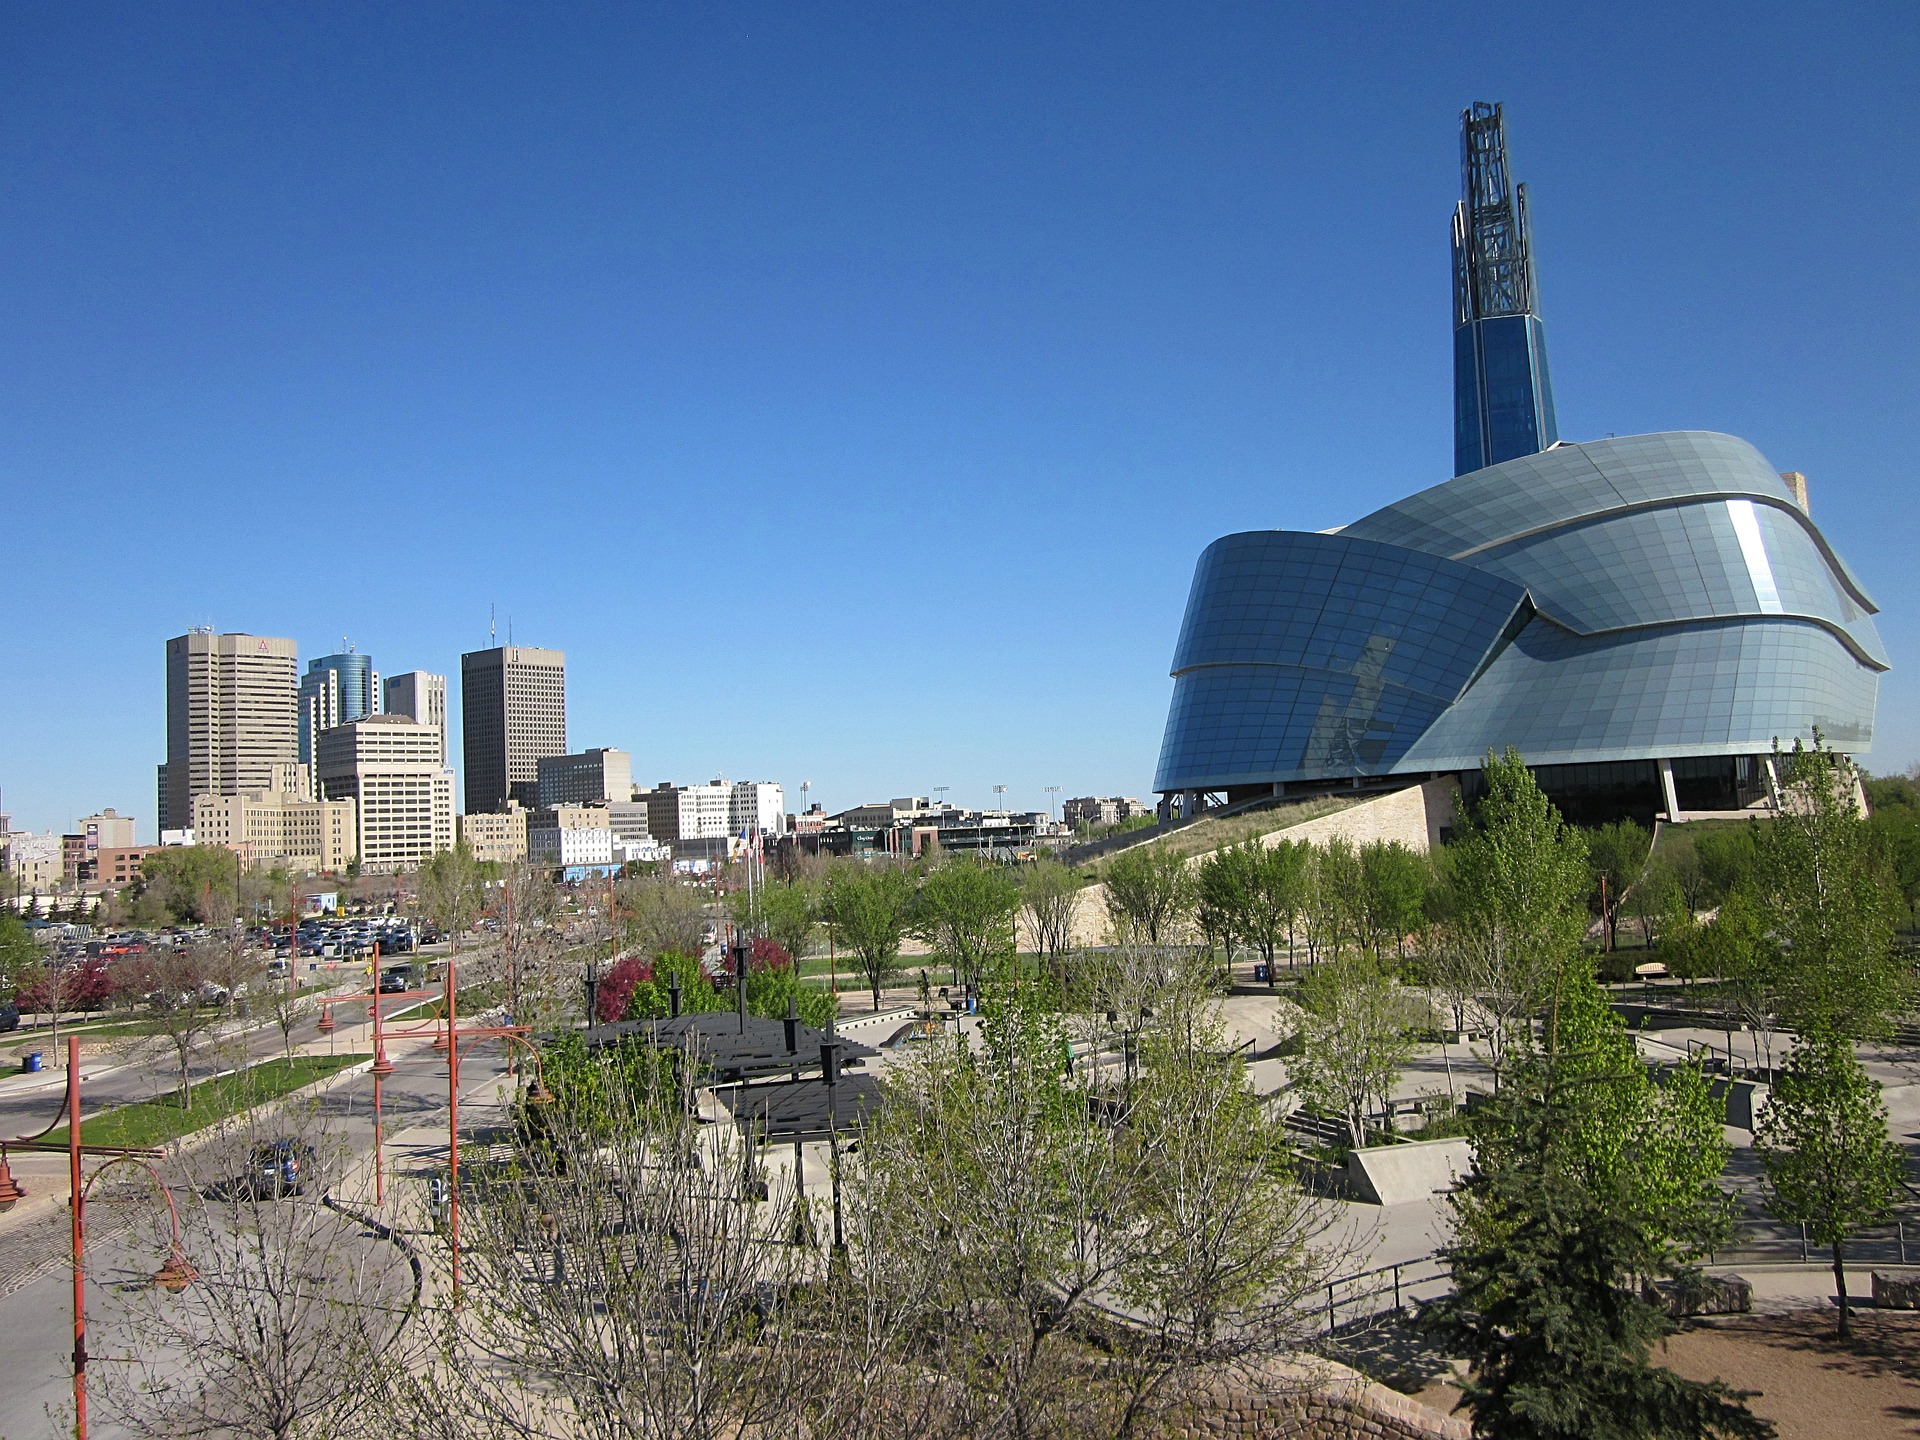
148 1069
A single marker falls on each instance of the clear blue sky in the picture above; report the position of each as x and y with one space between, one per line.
849 390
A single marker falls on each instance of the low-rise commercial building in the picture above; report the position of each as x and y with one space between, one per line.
274 829
119 867
33 861
574 850
498 838
688 812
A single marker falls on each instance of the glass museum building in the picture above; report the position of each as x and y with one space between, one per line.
1642 617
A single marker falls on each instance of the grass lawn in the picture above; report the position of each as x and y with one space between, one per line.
154 1122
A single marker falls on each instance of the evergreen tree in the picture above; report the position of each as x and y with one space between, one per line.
1548 1252
1823 1141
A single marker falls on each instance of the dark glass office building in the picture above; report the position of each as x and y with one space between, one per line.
1642 617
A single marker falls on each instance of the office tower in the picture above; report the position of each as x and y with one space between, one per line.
231 707
420 695
513 710
1502 398
756 807
335 689
391 767
689 812
583 779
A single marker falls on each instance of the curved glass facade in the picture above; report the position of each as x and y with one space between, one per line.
1623 600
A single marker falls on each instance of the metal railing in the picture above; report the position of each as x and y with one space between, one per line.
1353 1300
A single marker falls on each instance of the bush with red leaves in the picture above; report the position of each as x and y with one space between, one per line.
617 987
82 985
766 955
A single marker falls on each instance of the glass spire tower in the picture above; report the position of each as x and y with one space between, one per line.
1502 398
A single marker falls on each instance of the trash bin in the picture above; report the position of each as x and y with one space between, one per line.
30 1062
1261 975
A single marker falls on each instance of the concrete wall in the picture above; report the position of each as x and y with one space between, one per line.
1399 1174
1413 816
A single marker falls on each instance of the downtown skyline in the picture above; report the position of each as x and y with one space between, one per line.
898 367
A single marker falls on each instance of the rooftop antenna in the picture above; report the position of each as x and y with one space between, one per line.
492 639
509 632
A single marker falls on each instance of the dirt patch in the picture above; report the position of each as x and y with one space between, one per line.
1807 1382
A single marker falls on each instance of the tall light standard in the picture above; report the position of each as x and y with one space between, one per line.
1052 790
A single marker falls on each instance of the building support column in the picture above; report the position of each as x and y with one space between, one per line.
1666 786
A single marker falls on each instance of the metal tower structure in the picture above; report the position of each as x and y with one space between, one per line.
1502 397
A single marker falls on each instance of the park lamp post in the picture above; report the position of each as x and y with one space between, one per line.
174 1276
540 1095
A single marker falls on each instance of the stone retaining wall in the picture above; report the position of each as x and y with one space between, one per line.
1334 1403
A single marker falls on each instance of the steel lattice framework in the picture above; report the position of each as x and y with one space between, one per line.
1492 247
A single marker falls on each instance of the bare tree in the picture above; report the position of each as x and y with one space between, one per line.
288 1316
659 913
167 985
627 1282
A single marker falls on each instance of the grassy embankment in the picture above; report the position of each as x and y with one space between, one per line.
155 1122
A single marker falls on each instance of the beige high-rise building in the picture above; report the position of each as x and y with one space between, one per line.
420 695
231 712
513 710
270 829
391 766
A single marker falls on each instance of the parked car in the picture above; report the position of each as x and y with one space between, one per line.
278 1167
393 982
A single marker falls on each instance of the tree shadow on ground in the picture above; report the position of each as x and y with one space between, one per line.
1389 1349
1884 1342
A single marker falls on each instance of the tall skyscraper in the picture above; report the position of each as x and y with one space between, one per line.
513 711
335 690
422 696
231 704
1502 398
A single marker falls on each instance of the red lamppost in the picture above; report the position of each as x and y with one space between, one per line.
515 1034
175 1275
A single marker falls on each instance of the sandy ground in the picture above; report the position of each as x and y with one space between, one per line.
1805 1381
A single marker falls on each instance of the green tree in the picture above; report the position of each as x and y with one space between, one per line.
1654 901
1223 895
1728 857
791 914
1616 854
1150 893
20 959
660 914
964 910
1394 880
1518 892
1829 901
1050 898
871 906
186 877
1280 877
1823 1144
1658 1146
452 890
1355 1038
1896 832
1547 1259
1336 901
